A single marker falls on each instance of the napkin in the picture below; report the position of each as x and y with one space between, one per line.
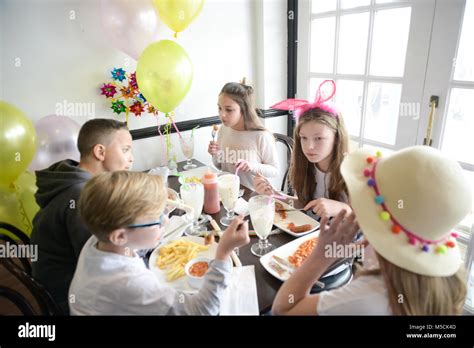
240 297
242 207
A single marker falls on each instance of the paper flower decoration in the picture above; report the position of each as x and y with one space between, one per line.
137 108
125 96
118 106
118 74
108 90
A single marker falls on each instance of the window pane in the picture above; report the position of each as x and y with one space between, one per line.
465 59
349 101
390 40
353 33
458 139
385 151
319 6
383 102
322 44
313 87
387 1
354 3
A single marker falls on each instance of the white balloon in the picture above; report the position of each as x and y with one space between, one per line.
131 25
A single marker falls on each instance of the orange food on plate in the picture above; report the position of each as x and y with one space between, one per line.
298 229
199 269
302 252
280 210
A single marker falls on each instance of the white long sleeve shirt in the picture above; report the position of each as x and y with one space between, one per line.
257 147
111 284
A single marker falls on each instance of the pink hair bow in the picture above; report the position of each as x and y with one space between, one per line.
300 106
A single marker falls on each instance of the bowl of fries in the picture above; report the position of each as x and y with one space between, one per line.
195 271
172 257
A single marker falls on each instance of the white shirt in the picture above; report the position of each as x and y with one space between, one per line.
366 295
111 284
322 186
257 147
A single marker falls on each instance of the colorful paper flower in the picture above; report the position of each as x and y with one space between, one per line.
118 74
137 108
127 92
152 110
133 80
108 90
118 106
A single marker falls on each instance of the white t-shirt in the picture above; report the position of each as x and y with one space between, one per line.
257 147
366 295
322 185
111 284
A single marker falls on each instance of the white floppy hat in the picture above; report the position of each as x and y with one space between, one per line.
407 204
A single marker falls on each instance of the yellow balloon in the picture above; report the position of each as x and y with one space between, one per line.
17 143
18 205
164 74
178 14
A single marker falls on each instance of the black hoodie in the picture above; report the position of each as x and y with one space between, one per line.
57 228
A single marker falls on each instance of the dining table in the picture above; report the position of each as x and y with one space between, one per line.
267 285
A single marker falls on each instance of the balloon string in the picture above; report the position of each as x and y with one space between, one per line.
175 35
28 224
162 141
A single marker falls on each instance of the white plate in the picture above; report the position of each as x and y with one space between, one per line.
196 172
181 284
288 249
297 217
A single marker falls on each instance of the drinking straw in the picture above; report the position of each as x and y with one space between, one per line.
192 131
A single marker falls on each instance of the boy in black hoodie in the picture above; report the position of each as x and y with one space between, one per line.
104 145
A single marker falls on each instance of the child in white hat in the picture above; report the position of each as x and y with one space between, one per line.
406 205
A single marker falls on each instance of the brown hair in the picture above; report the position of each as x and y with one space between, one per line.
113 200
302 172
243 96
97 131
415 294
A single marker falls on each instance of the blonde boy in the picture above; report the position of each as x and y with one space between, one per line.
124 211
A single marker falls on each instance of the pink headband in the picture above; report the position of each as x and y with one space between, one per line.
300 106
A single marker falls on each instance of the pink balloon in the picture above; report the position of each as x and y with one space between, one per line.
57 141
131 25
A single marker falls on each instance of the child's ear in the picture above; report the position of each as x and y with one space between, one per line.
118 237
99 152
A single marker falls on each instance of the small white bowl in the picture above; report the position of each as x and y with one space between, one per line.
193 281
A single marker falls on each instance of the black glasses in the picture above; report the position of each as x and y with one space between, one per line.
148 224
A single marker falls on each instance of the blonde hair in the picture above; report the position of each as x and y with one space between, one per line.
302 172
113 200
415 294
243 96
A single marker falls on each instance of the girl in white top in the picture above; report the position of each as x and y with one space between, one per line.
321 141
242 141
124 211
408 224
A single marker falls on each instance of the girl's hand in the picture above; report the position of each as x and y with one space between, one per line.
341 232
324 207
262 185
243 165
213 148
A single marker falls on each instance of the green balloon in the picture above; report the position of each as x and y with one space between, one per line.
17 143
18 205
164 74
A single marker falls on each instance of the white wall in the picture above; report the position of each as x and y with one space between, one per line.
49 58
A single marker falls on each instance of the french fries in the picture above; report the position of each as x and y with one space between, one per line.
175 255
